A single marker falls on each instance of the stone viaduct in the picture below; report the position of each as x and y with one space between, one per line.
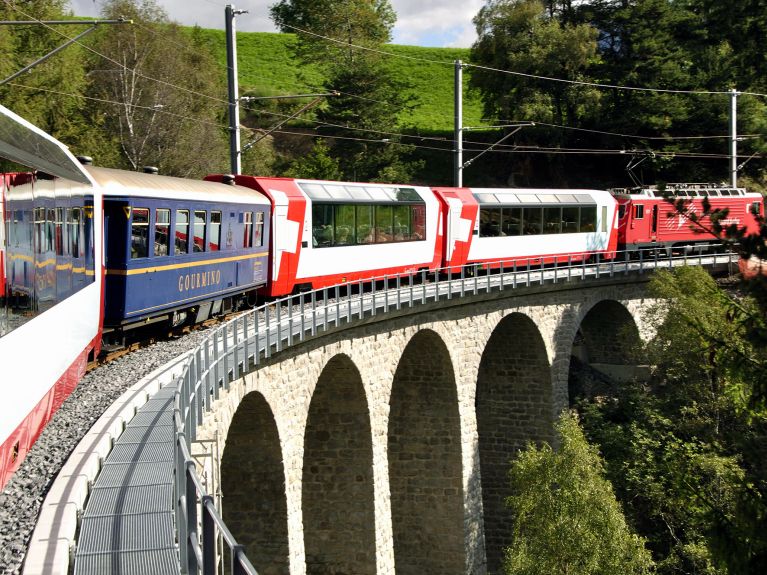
384 447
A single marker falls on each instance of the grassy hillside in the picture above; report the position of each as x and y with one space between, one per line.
267 67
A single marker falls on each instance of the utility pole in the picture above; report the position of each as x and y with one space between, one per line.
234 99
734 137
458 126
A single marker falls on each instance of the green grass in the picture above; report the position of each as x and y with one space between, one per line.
267 67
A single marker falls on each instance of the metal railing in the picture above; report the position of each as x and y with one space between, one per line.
238 346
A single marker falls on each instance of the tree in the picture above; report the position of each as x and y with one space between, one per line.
318 165
566 517
50 94
522 36
344 37
160 92
686 452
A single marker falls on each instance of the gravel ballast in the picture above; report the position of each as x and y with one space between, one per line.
22 497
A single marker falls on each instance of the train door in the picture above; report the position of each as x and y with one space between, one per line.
654 224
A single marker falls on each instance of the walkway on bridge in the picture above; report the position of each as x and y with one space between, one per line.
129 521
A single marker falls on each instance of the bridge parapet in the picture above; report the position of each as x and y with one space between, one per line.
379 339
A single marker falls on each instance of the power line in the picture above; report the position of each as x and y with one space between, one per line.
152 108
523 74
665 138
133 71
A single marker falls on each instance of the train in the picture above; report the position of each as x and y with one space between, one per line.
91 255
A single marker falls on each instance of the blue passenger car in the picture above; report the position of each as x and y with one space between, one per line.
179 250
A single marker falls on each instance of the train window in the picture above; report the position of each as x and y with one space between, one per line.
552 220
365 228
638 211
362 224
322 225
59 232
604 219
258 240
489 222
50 219
511 221
756 208
418 222
162 232
181 237
588 219
401 223
384 224
214 236
344 225
247 238
532 221
39 230
75 218
139 235
570 220
200 219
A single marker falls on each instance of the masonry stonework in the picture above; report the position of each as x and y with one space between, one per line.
402 423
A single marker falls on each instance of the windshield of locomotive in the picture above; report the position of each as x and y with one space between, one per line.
46 244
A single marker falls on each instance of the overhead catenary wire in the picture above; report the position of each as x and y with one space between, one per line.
118 64
116 103
502 149
523 74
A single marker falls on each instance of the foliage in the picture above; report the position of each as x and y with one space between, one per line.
318 165
687 453
520 35
344 38
566 517
159 93
50 94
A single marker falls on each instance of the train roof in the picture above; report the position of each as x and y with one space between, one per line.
681 190
532 196
139 184
28 145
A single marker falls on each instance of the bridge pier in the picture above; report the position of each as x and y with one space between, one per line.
389 443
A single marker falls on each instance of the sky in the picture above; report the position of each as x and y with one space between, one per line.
440 23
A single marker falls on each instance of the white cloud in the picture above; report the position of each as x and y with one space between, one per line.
447 21
419 22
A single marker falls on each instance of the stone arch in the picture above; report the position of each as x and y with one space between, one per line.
605 349
337 481
253 486
424 452
513 406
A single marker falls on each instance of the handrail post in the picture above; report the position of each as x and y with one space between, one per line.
180 501
278 324
373 293
338 305
246 342
237 568
362 299
191 517
314 313
208 538
348 302
290 321
325 308
267 334
224 332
